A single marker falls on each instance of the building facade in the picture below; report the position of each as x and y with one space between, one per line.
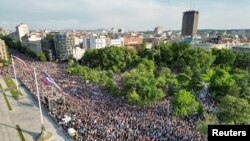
158 30
64 44
32 42
21 31
48 48
78 52
190 23
115 42
247 34
244 49
94 41
132 41
3 51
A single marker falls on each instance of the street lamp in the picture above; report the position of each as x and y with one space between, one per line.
44 135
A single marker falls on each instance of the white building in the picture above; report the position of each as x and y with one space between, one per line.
21 30
115 42
94 41
78 53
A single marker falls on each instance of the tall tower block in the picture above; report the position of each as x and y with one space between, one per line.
190 23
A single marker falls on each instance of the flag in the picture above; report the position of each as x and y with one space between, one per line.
22 64
49 81
46 80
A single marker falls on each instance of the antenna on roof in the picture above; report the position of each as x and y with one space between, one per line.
192 3
190 6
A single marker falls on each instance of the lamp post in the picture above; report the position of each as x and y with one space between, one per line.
44 135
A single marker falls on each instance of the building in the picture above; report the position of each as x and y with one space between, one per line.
3 51
132 41
115 42
21 30
4 32
32 42
158 30
115 30
247 34
78 52
94 41
242 48
48 47
190 23
64 44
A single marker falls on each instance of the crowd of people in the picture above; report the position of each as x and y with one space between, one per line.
95 115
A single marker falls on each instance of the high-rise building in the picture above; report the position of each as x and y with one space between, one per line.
3 51
21 30
48 47
64 44
190 23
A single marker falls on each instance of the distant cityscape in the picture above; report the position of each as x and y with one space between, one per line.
65 44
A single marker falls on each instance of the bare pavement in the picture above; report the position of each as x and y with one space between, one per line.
25 112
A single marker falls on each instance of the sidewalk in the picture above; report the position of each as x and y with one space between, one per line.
25 113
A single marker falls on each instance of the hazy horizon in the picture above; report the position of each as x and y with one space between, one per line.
132 15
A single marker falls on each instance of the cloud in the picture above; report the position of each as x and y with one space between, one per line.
130 14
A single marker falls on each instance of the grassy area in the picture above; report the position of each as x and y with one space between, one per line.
9 82
15 94
7 102
1 88
20 133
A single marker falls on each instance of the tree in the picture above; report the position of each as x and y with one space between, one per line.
71 62
221 82
242 61
206 77
110 58
184 104
144 83
183 80
146 65
42 57
224 57
170 80
233 110
111 87
209 119
242 79
134 98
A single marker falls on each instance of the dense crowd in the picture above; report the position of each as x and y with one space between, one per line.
95 115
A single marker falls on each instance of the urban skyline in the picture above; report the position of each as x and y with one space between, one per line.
87 14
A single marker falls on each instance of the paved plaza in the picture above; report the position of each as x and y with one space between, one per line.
25 112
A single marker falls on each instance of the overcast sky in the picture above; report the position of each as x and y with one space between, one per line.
129 14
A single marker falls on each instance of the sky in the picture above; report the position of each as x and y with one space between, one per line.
128 14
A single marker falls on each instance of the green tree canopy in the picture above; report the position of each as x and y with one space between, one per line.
184 104
209 119
224 57
143 83
221 82
110 58
233 110
41 56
